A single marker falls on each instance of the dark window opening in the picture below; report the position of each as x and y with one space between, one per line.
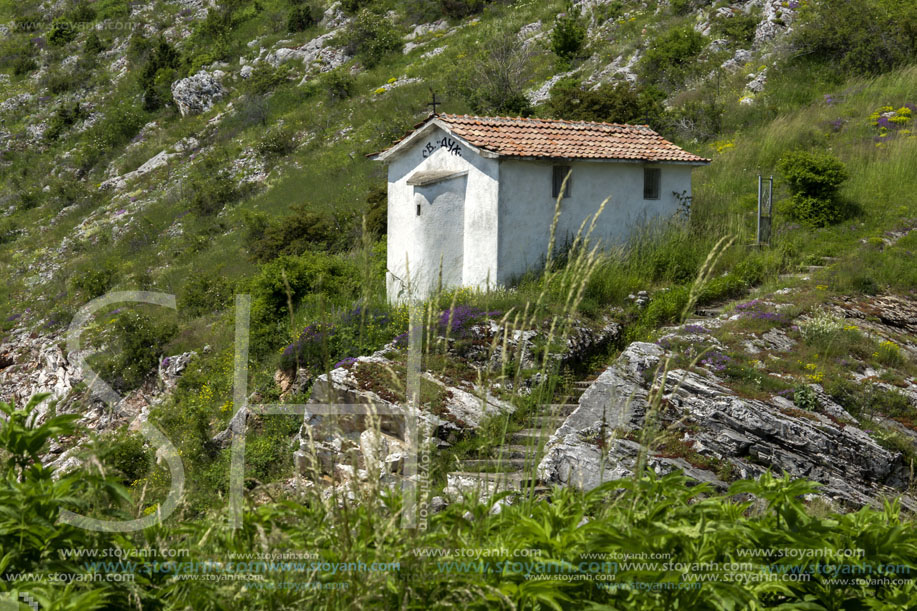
560 173
651 178
418 209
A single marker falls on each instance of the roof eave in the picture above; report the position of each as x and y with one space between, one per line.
432 122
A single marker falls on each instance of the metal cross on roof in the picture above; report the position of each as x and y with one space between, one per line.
435 102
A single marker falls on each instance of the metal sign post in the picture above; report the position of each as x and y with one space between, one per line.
765 207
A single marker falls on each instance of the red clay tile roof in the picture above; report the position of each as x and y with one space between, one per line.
518 137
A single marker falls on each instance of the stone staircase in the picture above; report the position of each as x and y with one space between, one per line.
512 465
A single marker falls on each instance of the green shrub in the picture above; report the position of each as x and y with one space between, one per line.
60 81
495 79
721 288
740 27
303 16
610 102
158 62
8 230
459 9
816 211
61 32
804 398
120 123
135 343
276 142
128 454
94 281
672 57
63 118
861 36
813 179
286 281
211 188
93 45
352 6
665 307
339 84
296 233
377 212
568 34
812 174
371 37
205 293
265 78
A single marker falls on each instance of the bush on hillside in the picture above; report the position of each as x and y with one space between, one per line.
377 212
160 62
371 37
204 293
276 142
93 281
459 9
862 36
672 57
813 179
495 80
61 32
569 34
740 27
211 188
303 16
93 45
610 102
287 281
135 344
291 235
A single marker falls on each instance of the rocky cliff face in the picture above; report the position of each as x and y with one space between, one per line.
690 419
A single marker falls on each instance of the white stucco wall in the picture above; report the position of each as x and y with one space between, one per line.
526 206
447 225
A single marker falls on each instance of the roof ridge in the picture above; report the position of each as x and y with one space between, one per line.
544 119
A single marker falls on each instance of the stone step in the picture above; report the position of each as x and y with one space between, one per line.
498 465
711 312
559 409
547 421
811 268
516 451
489 482
530 436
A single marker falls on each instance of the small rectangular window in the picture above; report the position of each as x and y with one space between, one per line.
418 209
560 173
651 178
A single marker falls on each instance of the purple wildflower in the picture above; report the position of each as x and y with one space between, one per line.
350 360
829 99
458 318
122 210
837 124
716 361
793 5
696 329
165 362
14 317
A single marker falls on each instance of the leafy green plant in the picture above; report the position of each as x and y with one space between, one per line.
568 34
135 346
205 293
672 57
804 398
372 37
813 179
610 102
